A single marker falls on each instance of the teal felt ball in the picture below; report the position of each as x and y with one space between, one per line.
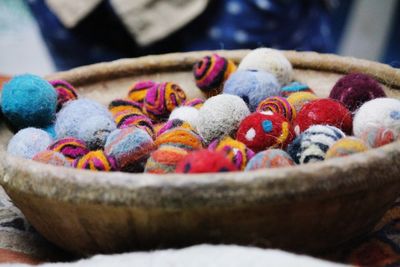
29 101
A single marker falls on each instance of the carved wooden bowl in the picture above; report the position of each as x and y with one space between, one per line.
308 208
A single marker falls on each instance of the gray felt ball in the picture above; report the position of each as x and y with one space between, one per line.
221 115
71 117
28 142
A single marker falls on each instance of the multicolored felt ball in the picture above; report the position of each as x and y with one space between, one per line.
345 147
295 87
130 147
195 102
211 72
137 92
94 131
298 100
221 115
124 105
28 101
181 137
355 89
269 60
270 158
205 161
138 119
65 92
278 105
161 99
175 123
96 161
51 157
28 142
325 112
312 144
164 159
381 117
234 150
260 131
252 86
72 148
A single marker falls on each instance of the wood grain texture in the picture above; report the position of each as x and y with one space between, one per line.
308 208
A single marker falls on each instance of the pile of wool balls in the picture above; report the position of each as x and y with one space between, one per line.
255 116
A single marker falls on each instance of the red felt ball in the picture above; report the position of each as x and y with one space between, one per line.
355 89
326 112
260 131
204 161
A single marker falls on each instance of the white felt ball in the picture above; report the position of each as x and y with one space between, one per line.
269 60
188 114
221 115
28 142
379 113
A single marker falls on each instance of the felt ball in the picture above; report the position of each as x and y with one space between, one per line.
260 131
52 157
195 102
379 136
298 100
124 105
188 114
346 146
268 60
129 119
162 98
211 72
130 147
205 161
137 92
252 86
221 115
326 112
278 105
164 159
65 92
158 126
28 142
181 137
234 150
96 161
295 87
74 113
72 148
28 100
270 158
381 117
355 89
312 144
94 131
175 123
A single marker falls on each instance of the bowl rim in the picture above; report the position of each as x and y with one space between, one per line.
175 191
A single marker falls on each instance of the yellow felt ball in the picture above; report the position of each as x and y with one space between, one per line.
346 146
298 100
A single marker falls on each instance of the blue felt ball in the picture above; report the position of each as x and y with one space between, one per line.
95 130
28 100
75 113
252 86
28 142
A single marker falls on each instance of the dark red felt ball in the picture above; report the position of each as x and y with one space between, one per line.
355 89
204 161
260 131
326 112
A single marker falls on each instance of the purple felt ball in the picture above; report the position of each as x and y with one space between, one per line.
355 89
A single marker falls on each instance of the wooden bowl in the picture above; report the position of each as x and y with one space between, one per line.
309 208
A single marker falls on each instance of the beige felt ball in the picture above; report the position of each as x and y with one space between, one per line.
270 60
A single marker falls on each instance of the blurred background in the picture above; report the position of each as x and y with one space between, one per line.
43 36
